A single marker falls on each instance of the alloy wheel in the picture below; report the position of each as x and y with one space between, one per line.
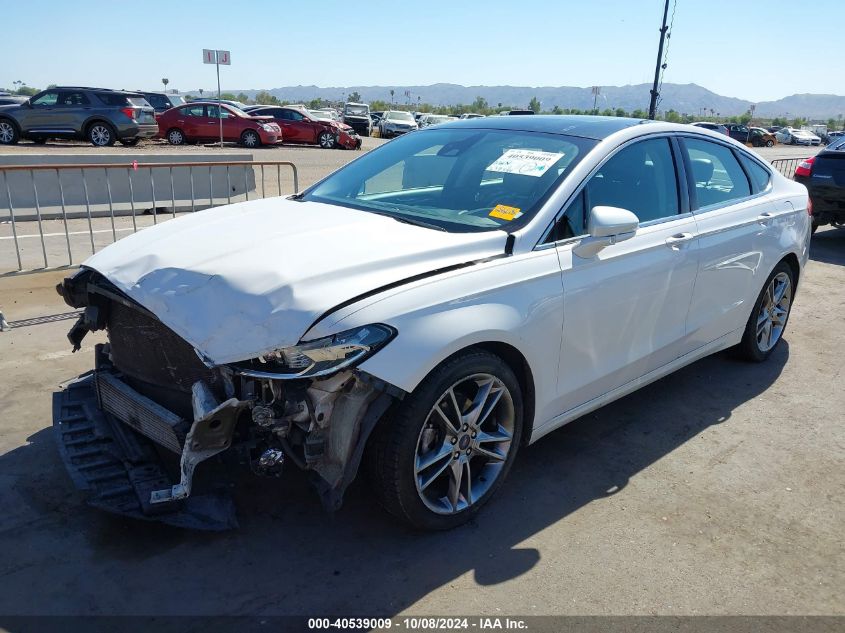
100 135
774 311
7 132
327 140
464 443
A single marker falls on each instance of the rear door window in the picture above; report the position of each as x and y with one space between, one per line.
717 176
193 110
71 99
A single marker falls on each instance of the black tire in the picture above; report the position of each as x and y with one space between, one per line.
9 134
367 132
250 138
327 140
770 143
814 226
750 348
392 450
129 142
101 134
175 136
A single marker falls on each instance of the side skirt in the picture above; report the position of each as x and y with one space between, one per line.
724 342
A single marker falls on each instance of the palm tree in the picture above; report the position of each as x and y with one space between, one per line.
200 93
391 97
165 81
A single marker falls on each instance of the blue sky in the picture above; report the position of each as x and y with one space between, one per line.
733 47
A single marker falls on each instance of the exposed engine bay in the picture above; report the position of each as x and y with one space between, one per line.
150 384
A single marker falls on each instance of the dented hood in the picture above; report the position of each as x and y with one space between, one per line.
241 280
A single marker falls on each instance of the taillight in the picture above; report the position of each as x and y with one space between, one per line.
805 166
130 112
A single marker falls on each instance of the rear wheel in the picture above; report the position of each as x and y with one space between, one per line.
250 138
770 143
101 134
768 319
447 448
8 133
175 137
327 140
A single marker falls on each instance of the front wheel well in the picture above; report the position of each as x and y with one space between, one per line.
519 365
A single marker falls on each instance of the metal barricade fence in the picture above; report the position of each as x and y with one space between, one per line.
196 191
787 166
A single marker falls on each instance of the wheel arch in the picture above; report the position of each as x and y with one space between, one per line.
97 119
15 124
794 264
520 367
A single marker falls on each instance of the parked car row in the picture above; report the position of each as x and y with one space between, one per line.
103 117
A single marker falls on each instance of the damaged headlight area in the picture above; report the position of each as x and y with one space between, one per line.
308 404
320 357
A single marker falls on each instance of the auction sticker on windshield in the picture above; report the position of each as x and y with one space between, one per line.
526 162
504 212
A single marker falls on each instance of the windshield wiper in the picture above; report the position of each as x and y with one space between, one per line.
416 222
405 219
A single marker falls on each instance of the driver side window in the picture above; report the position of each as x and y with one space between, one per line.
47 99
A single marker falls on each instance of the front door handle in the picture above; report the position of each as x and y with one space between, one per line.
764 217
679 239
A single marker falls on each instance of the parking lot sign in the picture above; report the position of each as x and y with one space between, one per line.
210 56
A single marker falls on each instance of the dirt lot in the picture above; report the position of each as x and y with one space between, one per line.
717 490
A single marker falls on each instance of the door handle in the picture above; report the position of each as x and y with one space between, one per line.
764 217
677 240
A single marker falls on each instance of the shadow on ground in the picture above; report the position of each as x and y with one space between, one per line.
828 246
289 557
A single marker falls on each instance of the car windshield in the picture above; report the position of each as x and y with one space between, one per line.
458 179
356 110
176 100
399 115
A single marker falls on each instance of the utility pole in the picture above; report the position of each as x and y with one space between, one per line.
652 107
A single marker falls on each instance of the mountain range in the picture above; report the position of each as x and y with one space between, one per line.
683 98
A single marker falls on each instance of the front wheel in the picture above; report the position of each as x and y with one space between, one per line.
770 143
101 135
444 452
327 140
250 138
8 133
768 319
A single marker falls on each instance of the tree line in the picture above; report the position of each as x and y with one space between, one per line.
482 106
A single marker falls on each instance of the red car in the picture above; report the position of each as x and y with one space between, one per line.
298 126
199 121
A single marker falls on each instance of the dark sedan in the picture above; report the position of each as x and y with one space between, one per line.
824 177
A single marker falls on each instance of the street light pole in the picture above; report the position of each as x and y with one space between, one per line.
652 107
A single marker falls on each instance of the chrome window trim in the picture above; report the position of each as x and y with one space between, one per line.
541 243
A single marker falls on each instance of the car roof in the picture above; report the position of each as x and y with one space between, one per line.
595 127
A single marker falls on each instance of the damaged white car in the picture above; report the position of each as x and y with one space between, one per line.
423 312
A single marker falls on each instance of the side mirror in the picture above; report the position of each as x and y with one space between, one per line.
28 103
606 226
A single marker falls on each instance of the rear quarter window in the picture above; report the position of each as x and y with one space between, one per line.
759 175
113 99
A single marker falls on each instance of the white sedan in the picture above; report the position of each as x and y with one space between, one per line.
438 303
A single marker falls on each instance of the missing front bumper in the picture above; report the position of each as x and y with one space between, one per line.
119 469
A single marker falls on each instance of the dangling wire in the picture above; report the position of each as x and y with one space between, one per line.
665 61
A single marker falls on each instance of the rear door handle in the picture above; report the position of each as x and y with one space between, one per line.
764 217
677 240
